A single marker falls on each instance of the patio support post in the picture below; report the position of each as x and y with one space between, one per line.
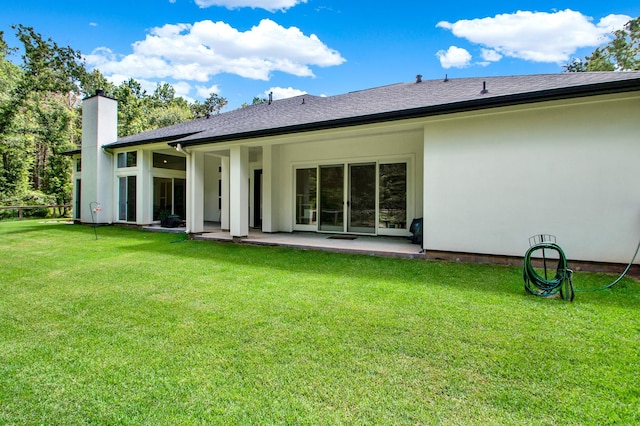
426 154
269 188
144 191
224 217
239 191
195 200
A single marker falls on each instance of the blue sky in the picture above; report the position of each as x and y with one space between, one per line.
245 48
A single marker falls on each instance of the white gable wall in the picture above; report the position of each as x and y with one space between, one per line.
567 168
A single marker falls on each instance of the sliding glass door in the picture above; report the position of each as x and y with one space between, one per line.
306 198
331 198
392 189
362 198
359 198
169 197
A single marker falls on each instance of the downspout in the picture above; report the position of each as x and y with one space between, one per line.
179 148
182 150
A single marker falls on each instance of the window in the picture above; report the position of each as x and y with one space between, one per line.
127 198
393 196
127 159
78 164
78 198
306 196
172 162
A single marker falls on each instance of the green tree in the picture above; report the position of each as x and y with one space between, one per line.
167 108
55 119
93 81
40 115
620 54
46 67
133 106
257 100
169 115
164 94
214 104
37 107
14 164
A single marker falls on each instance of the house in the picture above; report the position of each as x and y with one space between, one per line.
486 162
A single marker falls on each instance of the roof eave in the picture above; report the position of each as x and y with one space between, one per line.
168 139
72 152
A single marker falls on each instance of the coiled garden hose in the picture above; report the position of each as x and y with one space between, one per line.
617 280
538 285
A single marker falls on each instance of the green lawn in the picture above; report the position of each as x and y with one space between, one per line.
146 328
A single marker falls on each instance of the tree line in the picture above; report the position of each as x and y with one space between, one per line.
41 115
41 98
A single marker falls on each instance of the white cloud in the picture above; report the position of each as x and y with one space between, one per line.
284 92
536 36
270 5
456 57
196 52
611 23
118 79
205 92
99 56
490 55
183 89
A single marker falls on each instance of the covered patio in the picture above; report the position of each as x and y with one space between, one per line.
355 244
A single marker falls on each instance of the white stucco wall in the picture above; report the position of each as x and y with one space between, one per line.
571 169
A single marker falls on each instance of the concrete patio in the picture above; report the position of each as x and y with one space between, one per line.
359 244
375 246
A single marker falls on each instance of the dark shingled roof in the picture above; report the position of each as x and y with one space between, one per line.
393 102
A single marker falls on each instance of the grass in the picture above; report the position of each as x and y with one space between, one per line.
146 328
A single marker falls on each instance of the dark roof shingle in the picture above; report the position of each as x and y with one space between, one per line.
403 100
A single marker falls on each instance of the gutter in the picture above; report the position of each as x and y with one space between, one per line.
72 152
140 142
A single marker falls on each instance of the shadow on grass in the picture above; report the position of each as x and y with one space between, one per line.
495 279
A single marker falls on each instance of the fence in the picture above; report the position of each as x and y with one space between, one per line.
20 209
